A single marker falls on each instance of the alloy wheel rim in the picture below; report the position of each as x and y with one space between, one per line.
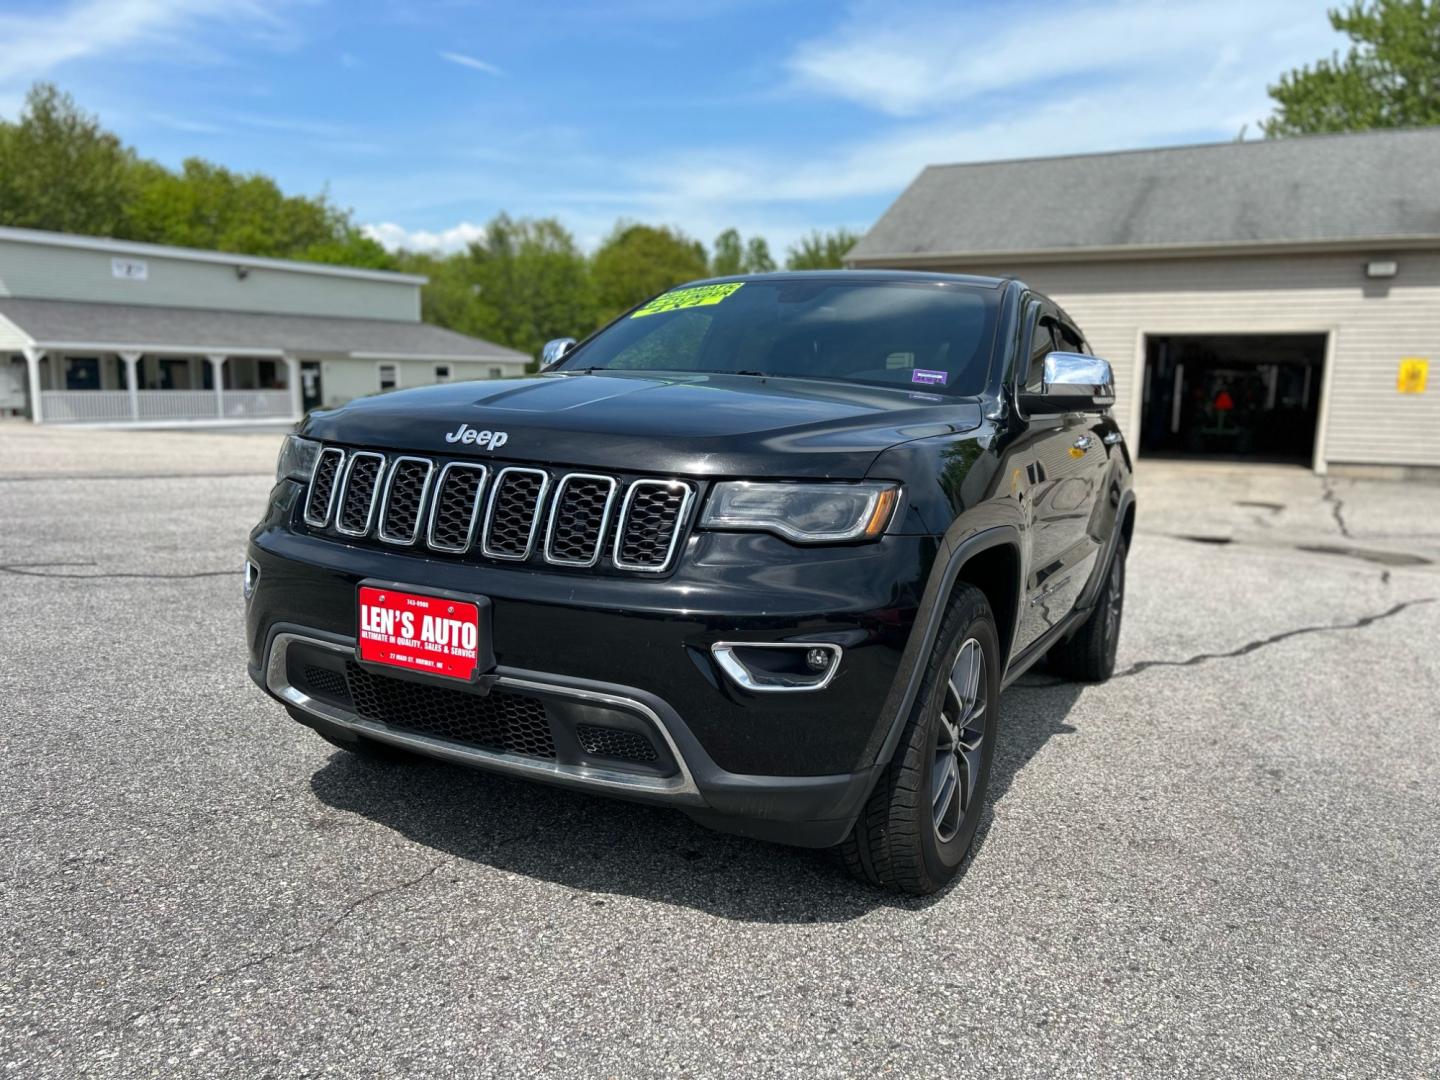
1114 598
959 743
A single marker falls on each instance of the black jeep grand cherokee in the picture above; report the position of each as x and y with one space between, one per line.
764 549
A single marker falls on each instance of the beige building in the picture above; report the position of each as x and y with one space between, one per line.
113 332
1274 300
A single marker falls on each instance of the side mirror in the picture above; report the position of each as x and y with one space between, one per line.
555 351
1075 382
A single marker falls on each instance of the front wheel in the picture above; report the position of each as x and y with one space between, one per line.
921 819
1089 654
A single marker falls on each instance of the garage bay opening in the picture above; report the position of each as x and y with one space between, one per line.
1239 396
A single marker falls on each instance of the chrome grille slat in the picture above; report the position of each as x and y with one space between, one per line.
407 483
652 520
512 516
323 486
579 516
454 507
359 493
455 510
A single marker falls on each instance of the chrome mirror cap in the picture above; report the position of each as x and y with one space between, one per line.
1069 374
555 351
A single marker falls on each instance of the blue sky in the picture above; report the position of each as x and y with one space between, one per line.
428 118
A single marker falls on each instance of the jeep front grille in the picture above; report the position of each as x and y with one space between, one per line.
653 512
514 513
578 516
511 514
358 493
405 491
320 499
457 507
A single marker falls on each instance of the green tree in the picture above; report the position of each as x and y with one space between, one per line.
734 255
729 255
637 261
821 250
757 256
521 284
1389 78
450 297
208 206
60 170
531 283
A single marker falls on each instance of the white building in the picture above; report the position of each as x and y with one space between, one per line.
1276 299
109 331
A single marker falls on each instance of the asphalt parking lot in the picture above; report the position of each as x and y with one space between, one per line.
1224 862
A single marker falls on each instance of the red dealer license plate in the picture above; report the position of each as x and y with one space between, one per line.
413 632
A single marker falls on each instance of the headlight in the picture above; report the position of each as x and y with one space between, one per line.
804 513
297 459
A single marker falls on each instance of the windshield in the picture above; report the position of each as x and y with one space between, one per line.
925 335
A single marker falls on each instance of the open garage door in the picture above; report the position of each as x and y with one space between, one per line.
1239 396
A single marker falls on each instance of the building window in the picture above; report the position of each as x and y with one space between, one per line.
265 374
82 373
442 372
389 375
497 373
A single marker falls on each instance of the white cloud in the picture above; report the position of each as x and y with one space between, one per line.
924 59
953 86
471 62
38 42
393 236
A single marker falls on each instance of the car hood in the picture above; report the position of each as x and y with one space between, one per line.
699 425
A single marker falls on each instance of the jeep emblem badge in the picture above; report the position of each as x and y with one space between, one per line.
489 440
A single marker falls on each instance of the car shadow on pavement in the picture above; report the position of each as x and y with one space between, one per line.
606 847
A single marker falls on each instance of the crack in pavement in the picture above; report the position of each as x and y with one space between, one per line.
345 913
1337 506
295 950
37 570
1260 643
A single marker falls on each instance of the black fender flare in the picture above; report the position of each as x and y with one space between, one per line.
936 599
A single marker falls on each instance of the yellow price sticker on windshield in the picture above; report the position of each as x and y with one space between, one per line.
695 296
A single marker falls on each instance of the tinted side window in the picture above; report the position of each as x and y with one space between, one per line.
1042 343
1070 340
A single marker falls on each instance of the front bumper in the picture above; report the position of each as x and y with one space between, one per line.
810 811
632 654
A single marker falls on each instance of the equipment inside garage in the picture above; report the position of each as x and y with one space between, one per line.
1253 396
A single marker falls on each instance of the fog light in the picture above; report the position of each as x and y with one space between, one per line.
252 578
778 666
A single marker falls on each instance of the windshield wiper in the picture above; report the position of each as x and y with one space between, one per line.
756 374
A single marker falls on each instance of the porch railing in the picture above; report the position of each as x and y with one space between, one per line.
175 404
113 406
63 406
245 404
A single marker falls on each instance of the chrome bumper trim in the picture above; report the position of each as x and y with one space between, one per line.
680 787
741 676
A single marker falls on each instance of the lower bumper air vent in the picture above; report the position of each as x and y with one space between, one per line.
499 720
614 743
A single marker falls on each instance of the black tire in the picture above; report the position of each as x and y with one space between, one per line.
1089 654
899 842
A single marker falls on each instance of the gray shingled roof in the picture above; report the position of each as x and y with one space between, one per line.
200 330
1332 188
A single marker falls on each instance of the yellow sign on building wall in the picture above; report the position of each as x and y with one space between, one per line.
1413 374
